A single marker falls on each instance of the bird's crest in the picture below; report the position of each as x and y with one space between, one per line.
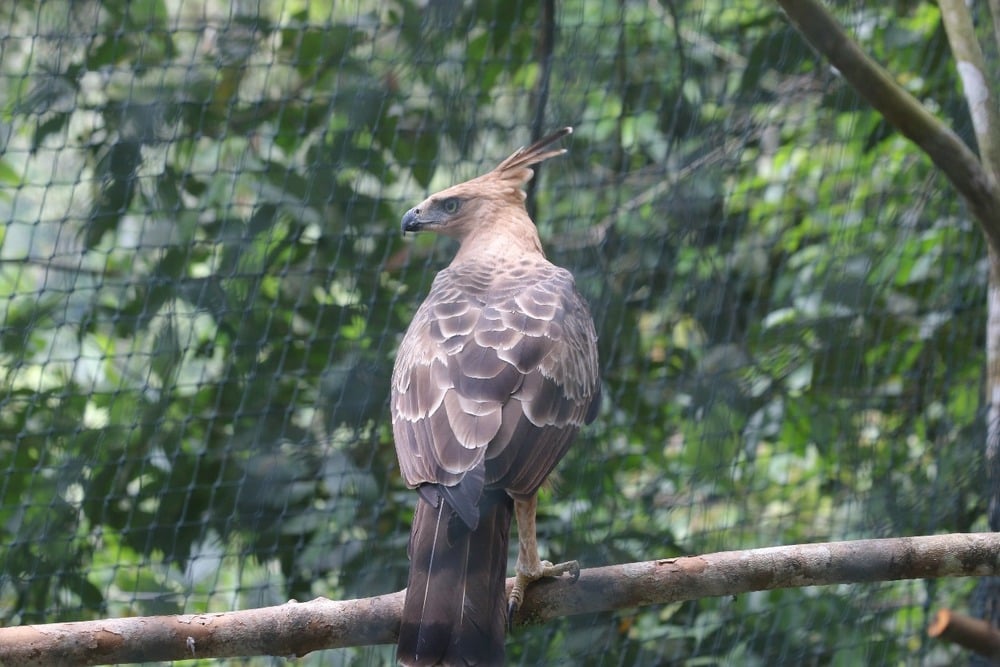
515 170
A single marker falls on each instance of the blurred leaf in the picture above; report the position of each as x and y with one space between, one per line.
11 178
310 49
54 125
782 50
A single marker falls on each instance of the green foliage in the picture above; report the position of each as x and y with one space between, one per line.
204 285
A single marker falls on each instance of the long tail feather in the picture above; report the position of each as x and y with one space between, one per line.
455 607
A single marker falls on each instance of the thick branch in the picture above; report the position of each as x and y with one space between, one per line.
299 628
903 111
974 634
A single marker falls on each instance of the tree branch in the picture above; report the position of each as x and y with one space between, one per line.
904 112
974 634
979 95
299 628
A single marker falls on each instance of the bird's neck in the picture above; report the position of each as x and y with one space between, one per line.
500 244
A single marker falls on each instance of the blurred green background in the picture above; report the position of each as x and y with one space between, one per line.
203 284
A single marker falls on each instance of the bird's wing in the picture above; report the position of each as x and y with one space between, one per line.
493 378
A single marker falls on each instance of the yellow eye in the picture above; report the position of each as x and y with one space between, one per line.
451 204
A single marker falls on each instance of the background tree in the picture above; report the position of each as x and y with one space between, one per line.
204 286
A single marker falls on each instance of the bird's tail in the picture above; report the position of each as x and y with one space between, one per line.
455 611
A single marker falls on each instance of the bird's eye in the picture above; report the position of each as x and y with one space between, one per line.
451 204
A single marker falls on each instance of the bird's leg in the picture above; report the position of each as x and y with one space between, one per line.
529 566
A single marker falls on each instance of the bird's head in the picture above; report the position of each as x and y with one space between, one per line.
443 212
492 197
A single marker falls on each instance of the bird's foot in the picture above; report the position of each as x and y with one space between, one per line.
524 577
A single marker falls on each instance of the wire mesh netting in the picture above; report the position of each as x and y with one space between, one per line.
204 285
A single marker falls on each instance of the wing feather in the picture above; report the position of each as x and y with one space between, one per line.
500 369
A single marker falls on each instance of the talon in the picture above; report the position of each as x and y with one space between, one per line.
523 579
515 599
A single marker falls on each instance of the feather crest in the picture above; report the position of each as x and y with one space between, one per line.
515 171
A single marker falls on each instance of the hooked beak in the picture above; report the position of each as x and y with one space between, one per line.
411 221
416 220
